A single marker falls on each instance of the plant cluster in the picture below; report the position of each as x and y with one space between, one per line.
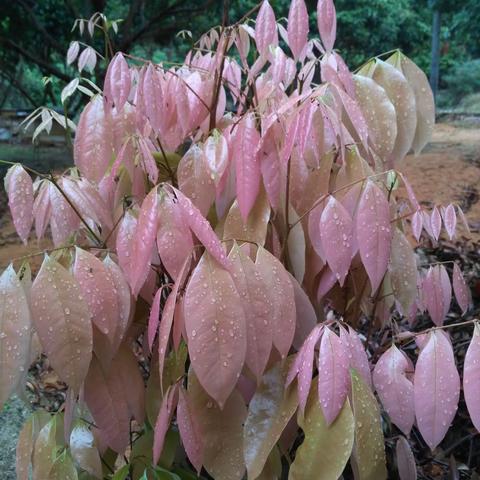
233 225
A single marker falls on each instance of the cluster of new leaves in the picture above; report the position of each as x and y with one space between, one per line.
236 220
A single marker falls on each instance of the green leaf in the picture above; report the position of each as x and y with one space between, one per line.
121 474
268 414
44 450
63 468
368 459
162 474
326 449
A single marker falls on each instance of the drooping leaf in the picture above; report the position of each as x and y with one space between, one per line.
333 376
297 30
221 430
19 187
84 451
189 430
327 23
265 28
117 82
435 223
407 470
281 296
216 329
368 460
461 290
63 468
450 220
357 354
62 321
326 448
394 388
437 293
436 388
269 412
374 234
15 332
471 377
45 449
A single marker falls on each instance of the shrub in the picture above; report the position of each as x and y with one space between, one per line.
234 227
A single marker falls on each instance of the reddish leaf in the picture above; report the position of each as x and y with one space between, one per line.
336 233
357 354
19 187
151 92
297 27
407 470
62 321
281 297
461 290
394 388
437 293
189 430
374 234
436 388
471 377
333 375
216 330
327 23
15 332
247 168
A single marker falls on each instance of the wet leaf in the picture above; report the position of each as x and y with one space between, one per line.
407 470
471 377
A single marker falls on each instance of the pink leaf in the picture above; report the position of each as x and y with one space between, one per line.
417 224
437 293
42 209
144 241
216 155
461 290
20 200
436 388
464 220
297 30
436 223
118 80
64 221
327 23
471 377
450 220
98 289
252 288
189 430
15 332
247 168
124 243
282 297
149 163
394 388
336 233
93 141
269 159
202 229
164 418
333 375
216 330
105 398
374 233
154 318
407 470
357 354
72 52
151 92
305 313
265 29
60 314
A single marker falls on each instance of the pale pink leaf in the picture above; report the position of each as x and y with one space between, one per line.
60 314
265 29
471 377
189 430
202 229
152 95
461 290
374 234
394 388
247 168
463 219
333 375
437 293
216 329
326 283
297 30
327 23
450 220
154 318
144 241
42 209
169 403
106 400
336 233
436 223
281 296
215 151
98 289
417 224
407 470
64 220
118 81
357 354
72 52
436 388
305 313
252 288
19 188
124 242
15 332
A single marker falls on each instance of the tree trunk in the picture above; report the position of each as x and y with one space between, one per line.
435 62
